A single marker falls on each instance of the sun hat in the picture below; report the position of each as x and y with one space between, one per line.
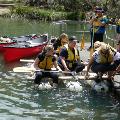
98 9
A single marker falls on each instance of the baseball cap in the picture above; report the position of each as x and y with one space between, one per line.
73 38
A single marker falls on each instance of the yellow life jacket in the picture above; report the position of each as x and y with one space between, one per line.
71 56
106 59
46 63
97 24
59 48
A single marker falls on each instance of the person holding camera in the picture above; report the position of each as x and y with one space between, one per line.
98 24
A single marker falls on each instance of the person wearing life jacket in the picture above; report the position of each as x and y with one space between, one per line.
69 59
118 26
46 60
118 30
101 61
60 42
98 24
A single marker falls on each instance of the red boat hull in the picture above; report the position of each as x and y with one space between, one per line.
14 54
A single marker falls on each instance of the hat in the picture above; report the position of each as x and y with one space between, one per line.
73 38
47 48
99 10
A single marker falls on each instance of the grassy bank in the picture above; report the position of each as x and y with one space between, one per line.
45 15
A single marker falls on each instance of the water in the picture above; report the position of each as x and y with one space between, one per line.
19 100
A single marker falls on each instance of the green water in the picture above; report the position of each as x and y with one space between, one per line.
19 100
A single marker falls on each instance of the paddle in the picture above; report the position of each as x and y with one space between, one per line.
92 43
27 60
82 45
26 69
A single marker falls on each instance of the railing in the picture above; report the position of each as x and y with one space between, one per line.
64 26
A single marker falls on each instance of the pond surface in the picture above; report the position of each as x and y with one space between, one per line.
19 100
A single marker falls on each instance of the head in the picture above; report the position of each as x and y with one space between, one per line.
48 50
97 44
104 49
72 41
99 11
63 38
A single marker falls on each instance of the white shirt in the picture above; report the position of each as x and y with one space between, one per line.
117 56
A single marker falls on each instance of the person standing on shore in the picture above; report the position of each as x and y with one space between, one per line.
118 30
98 24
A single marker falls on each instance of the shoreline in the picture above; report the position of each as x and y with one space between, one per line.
4 10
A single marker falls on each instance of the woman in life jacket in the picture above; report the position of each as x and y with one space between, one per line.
60 42
98 25
46 60
101 61
69 59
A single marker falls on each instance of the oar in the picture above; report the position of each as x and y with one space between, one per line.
27 60
92 44
31 69
68 77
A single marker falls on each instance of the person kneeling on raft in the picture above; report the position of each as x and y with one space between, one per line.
101 61
69 59
46 60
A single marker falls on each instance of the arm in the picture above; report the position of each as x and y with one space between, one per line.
64 63
56 66
35 64
89 65
117 70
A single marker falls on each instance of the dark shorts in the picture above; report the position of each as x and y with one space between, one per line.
97 67
78 67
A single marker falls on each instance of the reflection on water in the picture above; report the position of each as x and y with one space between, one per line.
20 100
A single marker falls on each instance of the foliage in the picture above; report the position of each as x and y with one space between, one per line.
64 9
41 14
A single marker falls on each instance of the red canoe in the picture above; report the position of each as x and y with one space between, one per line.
4 41
23 50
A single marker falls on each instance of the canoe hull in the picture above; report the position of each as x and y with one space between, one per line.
14 54
8 41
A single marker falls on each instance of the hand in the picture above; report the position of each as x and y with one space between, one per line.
60 70
66 69
87 75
